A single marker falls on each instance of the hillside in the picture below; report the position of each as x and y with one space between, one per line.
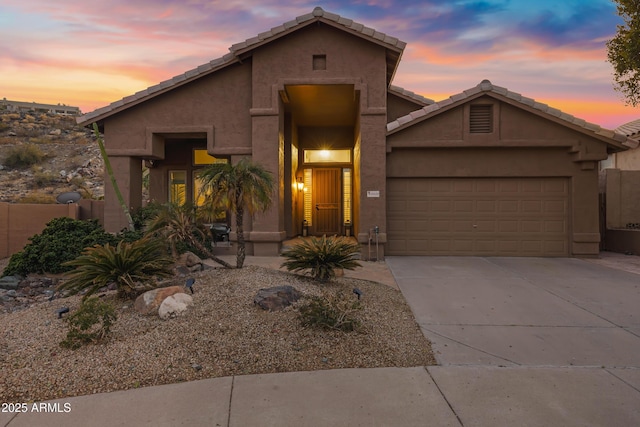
69 158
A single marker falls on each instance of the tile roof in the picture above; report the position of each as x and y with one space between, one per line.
411 95
486 87
631 129
239 48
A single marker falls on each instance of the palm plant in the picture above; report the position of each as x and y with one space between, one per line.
243 187
128 265
322 256
179 224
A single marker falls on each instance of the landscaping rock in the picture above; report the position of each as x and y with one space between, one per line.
9 282
149 302
276 298
174 305
189 259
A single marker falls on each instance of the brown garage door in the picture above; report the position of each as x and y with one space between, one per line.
478 216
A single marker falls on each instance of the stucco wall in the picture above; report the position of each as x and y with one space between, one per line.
18 222
622 196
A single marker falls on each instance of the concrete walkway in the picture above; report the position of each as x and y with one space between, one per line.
520 342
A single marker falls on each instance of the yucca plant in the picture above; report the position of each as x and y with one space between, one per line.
322 256
131 266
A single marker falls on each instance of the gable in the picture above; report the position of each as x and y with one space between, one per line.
517 121
239 52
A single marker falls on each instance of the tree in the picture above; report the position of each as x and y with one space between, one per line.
243 187
624 51
179 224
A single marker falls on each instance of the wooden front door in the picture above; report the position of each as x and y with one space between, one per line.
326 204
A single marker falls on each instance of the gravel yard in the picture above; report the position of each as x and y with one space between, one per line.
222 334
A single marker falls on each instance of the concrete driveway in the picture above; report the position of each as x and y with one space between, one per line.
529 341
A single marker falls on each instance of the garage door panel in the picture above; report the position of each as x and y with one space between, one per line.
476 216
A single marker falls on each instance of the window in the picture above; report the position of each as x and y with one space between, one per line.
481 119
202 158
308 195
327 156
178 187
346 195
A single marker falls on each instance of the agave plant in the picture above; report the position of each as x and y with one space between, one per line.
322 256
131 266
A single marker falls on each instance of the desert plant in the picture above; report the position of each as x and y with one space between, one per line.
245 186
112 177
90 323
63 239
322 256
44 179
131 266
330 311
179 224
22 156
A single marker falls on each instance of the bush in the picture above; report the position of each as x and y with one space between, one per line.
90 323
322 256
130 265
62 240
22 156
331 312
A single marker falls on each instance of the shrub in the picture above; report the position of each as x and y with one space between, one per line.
44 179
330 312
62 240
321 256
130 265
25 155
90 323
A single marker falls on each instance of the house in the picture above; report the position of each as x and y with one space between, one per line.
26 107
485 172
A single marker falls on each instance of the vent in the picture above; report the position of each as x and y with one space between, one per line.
481 119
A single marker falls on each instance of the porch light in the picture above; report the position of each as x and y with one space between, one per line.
300 184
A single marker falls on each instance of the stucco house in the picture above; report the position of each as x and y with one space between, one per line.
484 172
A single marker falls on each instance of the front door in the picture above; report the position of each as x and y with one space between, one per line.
326 204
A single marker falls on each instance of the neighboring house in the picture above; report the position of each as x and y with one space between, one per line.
485 172
20 106
625 160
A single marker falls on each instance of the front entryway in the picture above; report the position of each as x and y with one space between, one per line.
327 198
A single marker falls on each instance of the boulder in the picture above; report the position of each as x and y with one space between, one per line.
189 259
9 282
174 305
276 298
149 302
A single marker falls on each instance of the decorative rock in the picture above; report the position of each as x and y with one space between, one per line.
276 298
190 262
174 305
9 282
150 301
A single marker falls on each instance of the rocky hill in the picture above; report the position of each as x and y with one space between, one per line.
62 157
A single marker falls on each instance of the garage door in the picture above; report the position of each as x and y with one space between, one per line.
478 216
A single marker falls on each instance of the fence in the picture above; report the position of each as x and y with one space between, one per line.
18 222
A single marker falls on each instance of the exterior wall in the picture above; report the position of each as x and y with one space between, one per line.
627 160
350 60
398 107
622 192
19 222
214 108
522 145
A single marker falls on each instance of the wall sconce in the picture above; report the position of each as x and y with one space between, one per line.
300 184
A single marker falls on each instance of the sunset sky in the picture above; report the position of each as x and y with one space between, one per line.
91 53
